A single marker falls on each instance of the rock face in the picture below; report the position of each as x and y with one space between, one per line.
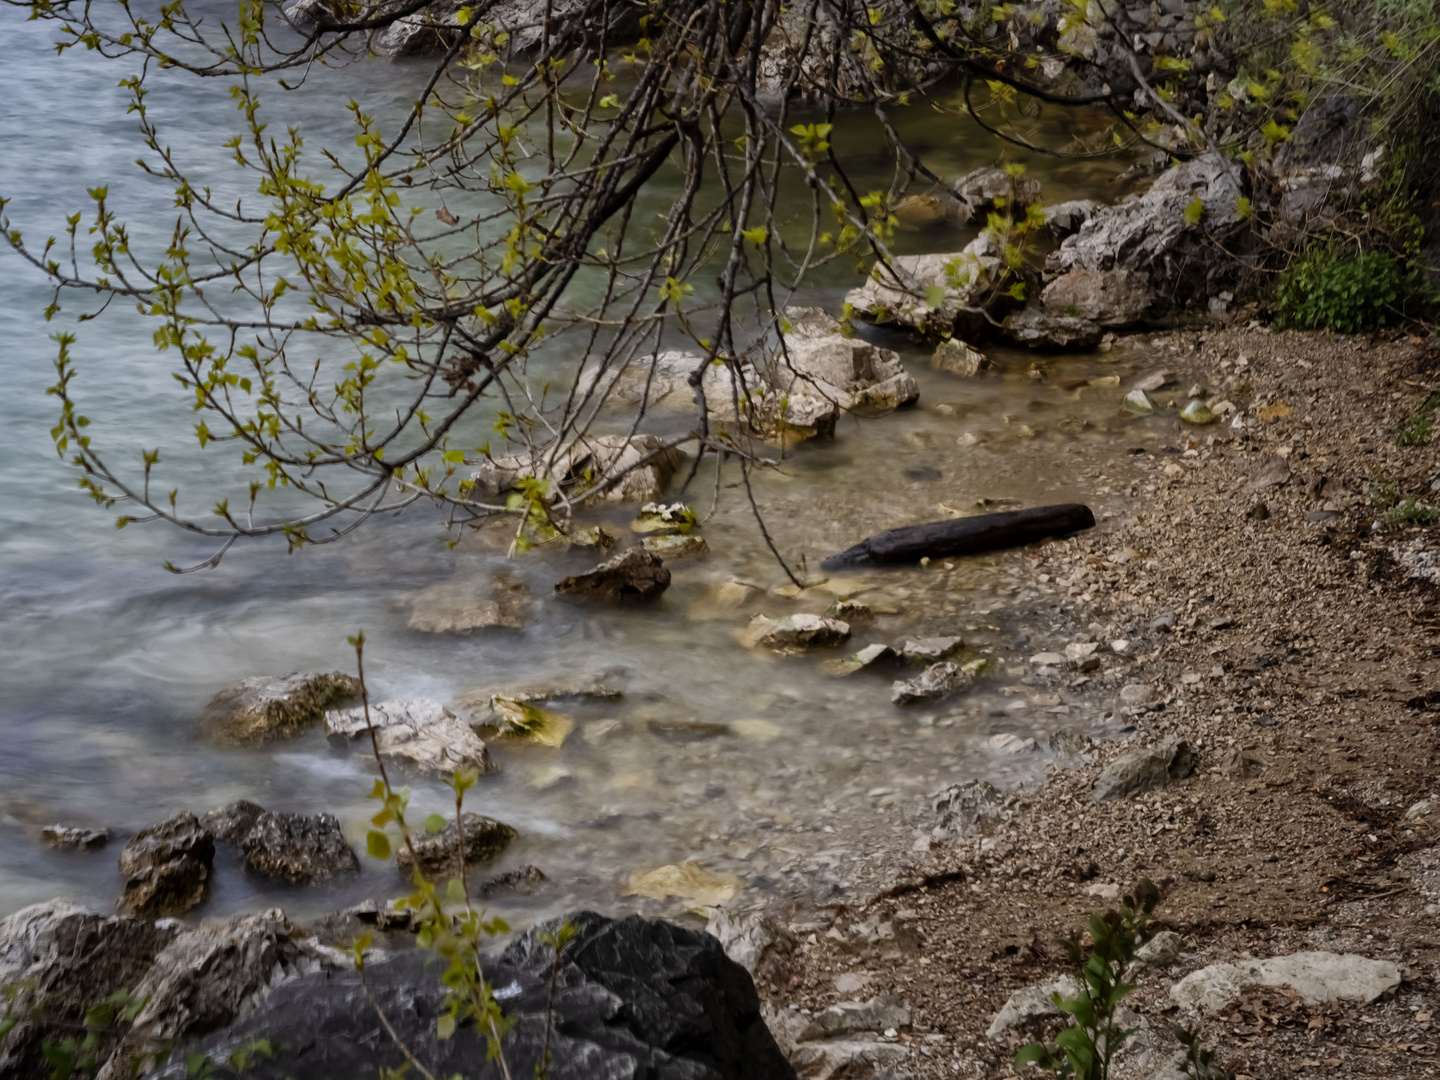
613 468
167 867
432 30
991 186
213 975
634 574
1042 329
821 362
1145 770
901 292
266 707
845 1040
1128 262
438 855
456 607
932 684
64 959
794 633
418 732
297 848
638 1000
1318 976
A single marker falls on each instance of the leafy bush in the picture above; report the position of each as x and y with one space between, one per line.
1329 289
1412 512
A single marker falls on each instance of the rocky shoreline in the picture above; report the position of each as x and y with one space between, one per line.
1266 610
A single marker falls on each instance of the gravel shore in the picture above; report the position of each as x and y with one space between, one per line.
1277 614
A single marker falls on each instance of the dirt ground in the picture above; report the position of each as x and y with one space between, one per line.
1301 670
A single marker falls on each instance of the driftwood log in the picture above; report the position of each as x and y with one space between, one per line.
964 536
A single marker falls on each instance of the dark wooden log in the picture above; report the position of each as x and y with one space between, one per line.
964 536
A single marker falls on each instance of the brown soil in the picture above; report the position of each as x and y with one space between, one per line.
1302 668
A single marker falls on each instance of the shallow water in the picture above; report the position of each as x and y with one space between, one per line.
107 659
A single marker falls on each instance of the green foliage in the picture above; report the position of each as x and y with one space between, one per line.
1330 289
1084 1050
1412 511
1415 429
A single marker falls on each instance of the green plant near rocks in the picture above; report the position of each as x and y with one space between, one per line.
1412 511
1415 429
1328 288
1085 1050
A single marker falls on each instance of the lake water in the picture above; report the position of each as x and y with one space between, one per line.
106 660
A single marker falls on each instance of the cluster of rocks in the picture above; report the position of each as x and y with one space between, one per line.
636 994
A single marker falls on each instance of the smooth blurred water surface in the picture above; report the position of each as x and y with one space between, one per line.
106 659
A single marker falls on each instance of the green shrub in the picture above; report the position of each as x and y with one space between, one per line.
1327 288
1412 512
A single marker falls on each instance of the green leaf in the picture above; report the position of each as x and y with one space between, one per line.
1195 211
934 296
445 1026
435 823
377 844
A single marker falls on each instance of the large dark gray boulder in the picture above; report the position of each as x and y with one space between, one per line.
634 999
299 848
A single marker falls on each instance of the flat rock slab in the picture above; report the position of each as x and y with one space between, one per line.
1318 976
1145 770
848 1017
462 607
265 707
417 732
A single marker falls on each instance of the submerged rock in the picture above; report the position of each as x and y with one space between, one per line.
794 633
416 732
267 707
688 880
637 998
522 881
663 520
676 546
461 607
76 839
1145 770
167 867
298 848
1138 403
526 721
634 574
1198 413
438 855
956 358
924 651
935 682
